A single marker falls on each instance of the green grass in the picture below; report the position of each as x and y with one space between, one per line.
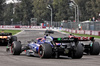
83 35
10 31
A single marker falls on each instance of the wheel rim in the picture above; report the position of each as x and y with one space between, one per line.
12 49
91 49
40 51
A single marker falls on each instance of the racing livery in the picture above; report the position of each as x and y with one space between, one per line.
7 38
49 46
93 48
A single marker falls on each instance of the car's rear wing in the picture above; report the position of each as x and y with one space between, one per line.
65 40
5 34
85 38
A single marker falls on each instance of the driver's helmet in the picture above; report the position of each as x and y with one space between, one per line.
70 36
48 38
40 39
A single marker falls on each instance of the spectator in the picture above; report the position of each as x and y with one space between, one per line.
79 26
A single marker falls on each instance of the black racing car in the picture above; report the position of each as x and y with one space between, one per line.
7 38
93 48
49 32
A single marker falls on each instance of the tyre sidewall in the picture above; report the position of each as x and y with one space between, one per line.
47 50
78 53
95 48
16 48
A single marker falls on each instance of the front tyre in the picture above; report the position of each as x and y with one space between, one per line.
45 50
16 48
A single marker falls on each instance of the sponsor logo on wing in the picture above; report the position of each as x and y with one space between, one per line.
37 44
83 38
57 43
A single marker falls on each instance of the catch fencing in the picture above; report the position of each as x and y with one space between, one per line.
86 25
95 26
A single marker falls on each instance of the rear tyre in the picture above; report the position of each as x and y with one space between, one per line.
45 50
16 48
78 52
95 48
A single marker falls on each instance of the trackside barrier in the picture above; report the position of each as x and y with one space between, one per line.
96 33
88 32
73 31
36 27
66 30
70 30
80 31
7 26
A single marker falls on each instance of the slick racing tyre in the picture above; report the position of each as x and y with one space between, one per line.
16 48
95 48
78 52
45 50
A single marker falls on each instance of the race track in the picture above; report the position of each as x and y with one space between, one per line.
7 59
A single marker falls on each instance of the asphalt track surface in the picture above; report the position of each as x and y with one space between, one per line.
7 59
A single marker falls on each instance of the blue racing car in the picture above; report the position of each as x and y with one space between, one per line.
49 46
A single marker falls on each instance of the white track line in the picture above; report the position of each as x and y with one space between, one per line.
19 33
